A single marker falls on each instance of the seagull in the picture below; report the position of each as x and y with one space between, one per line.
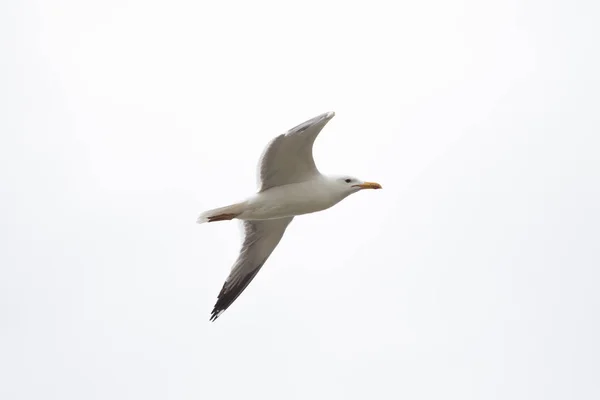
289 184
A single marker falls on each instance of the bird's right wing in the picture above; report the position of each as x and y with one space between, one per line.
288 158
260 239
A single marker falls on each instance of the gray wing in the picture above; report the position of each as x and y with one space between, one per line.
260 239
288 158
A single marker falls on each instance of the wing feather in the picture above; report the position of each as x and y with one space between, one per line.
260 239
288 158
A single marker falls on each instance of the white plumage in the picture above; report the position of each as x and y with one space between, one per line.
289 185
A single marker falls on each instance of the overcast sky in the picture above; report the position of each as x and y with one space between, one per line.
473 274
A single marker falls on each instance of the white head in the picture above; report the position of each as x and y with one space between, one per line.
349 184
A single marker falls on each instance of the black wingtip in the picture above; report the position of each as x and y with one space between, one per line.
215 314
227 296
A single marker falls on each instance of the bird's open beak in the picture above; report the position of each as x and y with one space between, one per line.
369 185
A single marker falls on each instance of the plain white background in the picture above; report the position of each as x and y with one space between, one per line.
472 275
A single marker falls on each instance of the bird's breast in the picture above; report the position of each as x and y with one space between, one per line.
289 200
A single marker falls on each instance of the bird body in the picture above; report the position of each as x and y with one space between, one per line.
288 200
292 200
289 185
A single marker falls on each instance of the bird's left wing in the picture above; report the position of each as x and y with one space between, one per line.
260 239
288 158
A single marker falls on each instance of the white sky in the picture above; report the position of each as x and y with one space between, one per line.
473 275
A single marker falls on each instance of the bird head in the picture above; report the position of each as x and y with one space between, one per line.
350 184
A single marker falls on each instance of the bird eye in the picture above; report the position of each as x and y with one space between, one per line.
348 180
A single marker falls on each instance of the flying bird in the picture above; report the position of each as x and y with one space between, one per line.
289 185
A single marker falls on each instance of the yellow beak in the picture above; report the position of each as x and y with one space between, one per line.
369 185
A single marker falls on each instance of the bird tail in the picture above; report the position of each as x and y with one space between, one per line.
222 213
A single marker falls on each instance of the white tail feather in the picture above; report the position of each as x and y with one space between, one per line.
236 208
